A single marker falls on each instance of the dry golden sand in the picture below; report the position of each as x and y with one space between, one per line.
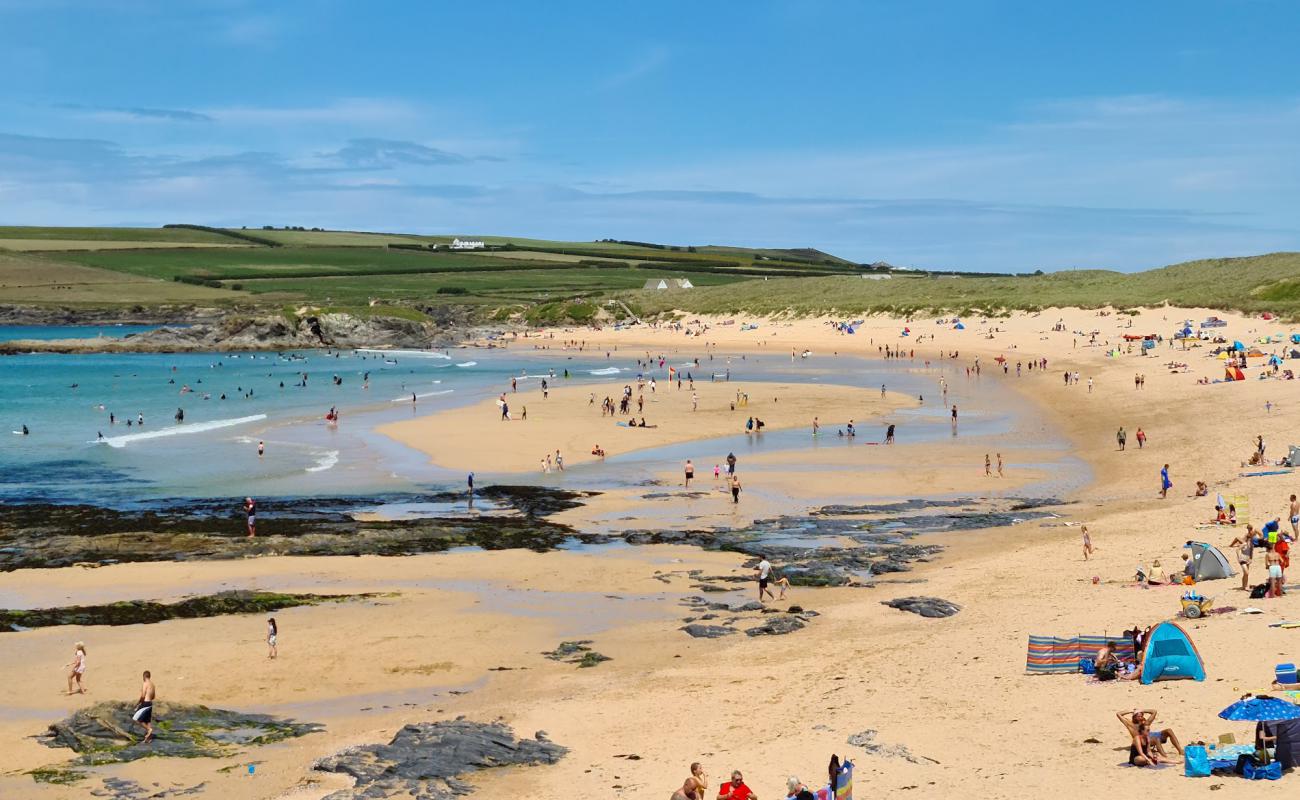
953 691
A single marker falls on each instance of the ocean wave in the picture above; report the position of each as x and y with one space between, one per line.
412 353
327 459
178 430
604 371
467 364
407 398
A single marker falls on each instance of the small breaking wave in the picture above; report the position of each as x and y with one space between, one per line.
407 398
178 430
604 371
411 353
467 364
326 460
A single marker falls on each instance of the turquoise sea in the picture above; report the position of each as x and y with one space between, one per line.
231 401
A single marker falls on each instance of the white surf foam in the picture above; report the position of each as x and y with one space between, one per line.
412 353
327 460
467 364
178 430
605 371
407 398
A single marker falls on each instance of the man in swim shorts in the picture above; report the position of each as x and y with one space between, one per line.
1295 517
764 576
143 713
690 472
250 511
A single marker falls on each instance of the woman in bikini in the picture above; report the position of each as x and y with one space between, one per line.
1138 725
694 786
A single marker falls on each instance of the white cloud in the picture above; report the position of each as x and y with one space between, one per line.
650 61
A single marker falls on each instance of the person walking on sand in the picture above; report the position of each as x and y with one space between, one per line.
717 472
1295 517
250 515
559 461
764 570
694 786
1165 483
1089 384
954 420
272 630
77 669
1142 438
469 483
690 472
816 426
1087 543
143 713
999 465
988 466
735 488
1121 438
695 401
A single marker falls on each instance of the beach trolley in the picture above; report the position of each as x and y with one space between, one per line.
1195 605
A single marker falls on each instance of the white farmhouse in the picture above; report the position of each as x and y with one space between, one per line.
467 244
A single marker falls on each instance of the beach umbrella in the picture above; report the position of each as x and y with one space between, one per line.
1261 708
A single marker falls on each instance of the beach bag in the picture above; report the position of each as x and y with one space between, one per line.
1271 772
1196 761
1259 592
1087 666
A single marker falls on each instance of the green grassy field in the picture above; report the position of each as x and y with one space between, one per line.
555 278
1252 284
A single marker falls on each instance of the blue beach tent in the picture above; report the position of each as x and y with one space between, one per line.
1170 655
1238 346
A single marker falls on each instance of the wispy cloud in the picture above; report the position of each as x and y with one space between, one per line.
388 153
648 62
136 114
354 112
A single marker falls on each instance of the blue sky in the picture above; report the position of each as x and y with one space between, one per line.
978 135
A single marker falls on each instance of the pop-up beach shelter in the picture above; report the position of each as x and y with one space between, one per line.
1208 562
1170 655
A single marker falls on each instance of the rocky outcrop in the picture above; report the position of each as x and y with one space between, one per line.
932 607
578 652
258 331
137 612
104 732
37 535
698 631
428 760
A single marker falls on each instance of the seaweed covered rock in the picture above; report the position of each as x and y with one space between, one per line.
104 732
427 760
138 612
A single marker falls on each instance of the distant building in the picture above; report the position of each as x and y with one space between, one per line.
467 244
668 283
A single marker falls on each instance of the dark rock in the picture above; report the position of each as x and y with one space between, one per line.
925 606
752 605
428 760
776 626
54 534
104 732
577 653
137 612
796 609
708 631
